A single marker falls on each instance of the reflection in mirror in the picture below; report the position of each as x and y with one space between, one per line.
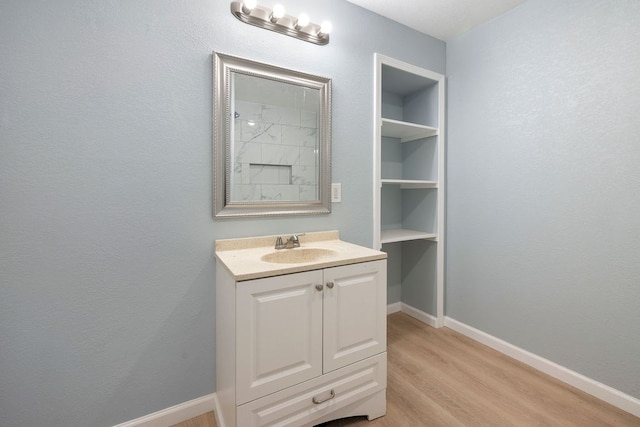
275 144
271 140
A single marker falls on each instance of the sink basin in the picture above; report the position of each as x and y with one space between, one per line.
297 255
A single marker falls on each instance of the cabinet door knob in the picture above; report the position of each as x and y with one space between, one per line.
319 288
331 396
330 285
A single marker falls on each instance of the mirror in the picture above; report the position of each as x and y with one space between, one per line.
272 140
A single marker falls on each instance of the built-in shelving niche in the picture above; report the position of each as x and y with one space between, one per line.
409 193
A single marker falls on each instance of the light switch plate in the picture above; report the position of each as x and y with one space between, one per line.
336 192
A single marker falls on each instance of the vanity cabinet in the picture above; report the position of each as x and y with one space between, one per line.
302 348
409 184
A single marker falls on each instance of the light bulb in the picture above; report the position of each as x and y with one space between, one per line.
249 5
277 13
303 21
325 28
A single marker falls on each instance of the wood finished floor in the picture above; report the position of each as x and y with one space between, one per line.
438 377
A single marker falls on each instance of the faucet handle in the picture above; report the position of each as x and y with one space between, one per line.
294 239
279 244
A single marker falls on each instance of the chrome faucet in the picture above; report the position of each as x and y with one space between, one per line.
292 242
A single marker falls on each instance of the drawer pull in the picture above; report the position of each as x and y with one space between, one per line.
331 396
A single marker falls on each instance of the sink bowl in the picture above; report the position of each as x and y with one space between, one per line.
297 255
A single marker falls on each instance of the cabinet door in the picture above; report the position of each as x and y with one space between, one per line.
355 313
279 333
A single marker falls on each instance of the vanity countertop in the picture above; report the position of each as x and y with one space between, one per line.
242 257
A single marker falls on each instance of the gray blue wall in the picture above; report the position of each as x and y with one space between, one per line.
106 232
543 219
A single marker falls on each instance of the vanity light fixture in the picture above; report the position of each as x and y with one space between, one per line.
276 19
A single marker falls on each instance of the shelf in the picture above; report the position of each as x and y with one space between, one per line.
410 184
406 131
403 235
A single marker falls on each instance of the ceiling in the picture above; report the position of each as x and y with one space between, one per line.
442 19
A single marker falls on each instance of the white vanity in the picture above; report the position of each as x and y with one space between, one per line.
300 333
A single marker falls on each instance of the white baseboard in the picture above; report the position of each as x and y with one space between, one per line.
394 308
420 315
176 414
413 312
579 381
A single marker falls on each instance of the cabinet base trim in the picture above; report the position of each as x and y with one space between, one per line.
601 391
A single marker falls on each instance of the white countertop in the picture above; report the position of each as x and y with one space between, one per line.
242 257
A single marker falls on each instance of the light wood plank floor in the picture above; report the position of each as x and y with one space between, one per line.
438 377
204 420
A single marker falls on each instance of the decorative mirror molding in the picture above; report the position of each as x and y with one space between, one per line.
271 140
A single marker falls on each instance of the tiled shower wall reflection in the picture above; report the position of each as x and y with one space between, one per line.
275 153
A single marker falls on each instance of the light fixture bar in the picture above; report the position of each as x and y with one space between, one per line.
291 26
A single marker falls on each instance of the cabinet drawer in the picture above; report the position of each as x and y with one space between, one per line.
295 406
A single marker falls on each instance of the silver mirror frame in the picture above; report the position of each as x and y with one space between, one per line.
223 207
